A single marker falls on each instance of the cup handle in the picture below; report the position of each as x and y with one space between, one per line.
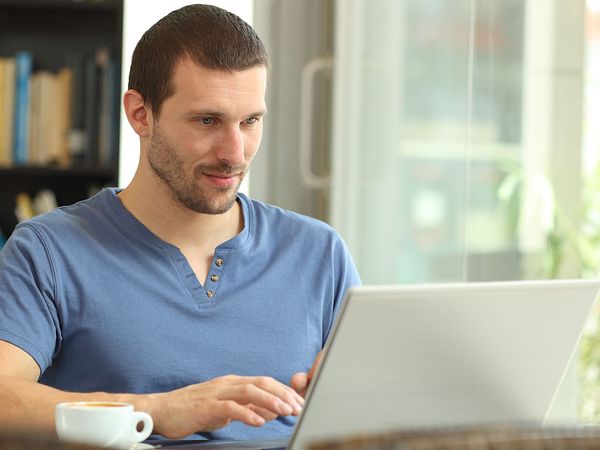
138 416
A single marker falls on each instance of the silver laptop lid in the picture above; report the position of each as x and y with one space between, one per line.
434 355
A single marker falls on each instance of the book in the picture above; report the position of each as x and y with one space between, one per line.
59 148
7 99
34 119
91 113
23 68
49 117
3 114
44 118
108 107
44 201
114 96
76 136
24 207
94 108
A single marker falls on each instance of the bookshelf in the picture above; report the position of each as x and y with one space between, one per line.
69 186
74 155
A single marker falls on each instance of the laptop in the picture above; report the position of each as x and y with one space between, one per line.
440 355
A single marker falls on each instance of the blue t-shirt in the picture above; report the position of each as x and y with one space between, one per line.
103 304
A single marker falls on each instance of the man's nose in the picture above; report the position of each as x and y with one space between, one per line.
231 148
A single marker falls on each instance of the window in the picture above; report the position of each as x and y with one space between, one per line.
466 146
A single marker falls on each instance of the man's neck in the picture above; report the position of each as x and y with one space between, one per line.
176 224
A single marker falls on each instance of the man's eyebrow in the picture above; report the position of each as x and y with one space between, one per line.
262 112
207 112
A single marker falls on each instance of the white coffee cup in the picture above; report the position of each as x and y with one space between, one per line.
106 424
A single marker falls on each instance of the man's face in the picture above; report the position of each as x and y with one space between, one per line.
207 134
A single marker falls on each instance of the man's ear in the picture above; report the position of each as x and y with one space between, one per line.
138 115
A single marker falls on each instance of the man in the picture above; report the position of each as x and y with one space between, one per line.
177 294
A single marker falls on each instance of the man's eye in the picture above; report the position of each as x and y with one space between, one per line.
251 120
207 120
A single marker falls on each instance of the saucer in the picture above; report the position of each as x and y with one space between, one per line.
135 446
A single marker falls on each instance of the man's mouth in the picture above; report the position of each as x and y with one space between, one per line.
222 175
222 180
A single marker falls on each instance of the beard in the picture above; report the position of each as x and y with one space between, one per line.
185 189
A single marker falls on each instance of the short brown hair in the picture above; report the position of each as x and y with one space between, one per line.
210 36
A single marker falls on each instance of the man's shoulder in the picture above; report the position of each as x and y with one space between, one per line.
273 216
85 214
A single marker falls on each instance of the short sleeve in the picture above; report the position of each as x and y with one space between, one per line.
345 275
28 314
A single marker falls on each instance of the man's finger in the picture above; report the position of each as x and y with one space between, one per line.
264 413
235 411
252 394
299 383
281 391
312 370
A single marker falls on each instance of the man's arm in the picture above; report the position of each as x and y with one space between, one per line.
200 407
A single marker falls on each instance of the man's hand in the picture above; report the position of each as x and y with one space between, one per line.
300 381
179 413
215 403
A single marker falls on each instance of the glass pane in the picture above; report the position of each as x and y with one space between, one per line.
467 147
459 151
460 136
